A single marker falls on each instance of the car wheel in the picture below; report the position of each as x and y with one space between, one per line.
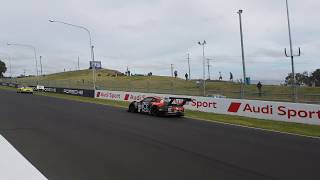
132 109
154 111
179 115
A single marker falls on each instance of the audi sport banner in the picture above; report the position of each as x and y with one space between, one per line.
280 111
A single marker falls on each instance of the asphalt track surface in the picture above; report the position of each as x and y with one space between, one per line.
73 140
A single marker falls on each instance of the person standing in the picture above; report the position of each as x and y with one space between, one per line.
231 76
186 76
259 86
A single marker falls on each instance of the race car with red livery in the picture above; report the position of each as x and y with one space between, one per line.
156 106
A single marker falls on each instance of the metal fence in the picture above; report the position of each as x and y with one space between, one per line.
180 87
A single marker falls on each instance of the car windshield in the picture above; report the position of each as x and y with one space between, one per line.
148 99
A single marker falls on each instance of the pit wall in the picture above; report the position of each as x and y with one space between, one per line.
269 110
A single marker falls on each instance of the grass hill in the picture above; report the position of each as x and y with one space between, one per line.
115 80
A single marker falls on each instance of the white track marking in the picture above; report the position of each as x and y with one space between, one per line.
13 166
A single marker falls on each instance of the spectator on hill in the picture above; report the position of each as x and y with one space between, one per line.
259 86
186 76
231 76
175 73
220 77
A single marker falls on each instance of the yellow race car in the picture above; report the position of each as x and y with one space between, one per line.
25 89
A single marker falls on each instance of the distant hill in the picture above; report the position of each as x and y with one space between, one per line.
85 74
115 80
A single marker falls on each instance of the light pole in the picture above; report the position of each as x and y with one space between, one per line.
78 63
171 67
204 66
35 55
243 60
189 65
90 43
41 65
294 85
10 68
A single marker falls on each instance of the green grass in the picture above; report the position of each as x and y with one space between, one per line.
294 128
106 79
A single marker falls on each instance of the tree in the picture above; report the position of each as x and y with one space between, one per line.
315 77
3 68
302 79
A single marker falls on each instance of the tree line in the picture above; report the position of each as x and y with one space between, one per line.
3 68
305 78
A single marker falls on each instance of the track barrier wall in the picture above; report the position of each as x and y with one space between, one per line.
269 110
71 91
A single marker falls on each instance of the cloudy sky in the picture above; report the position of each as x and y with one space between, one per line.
149 35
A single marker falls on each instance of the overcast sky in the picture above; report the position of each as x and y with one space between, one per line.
149 35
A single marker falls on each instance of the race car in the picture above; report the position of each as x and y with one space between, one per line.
156 106
25 89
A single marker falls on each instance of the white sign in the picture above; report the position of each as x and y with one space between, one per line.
40 88
280 111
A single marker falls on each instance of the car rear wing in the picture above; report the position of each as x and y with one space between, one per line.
179 101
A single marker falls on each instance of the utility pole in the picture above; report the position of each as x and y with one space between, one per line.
41 65
243 60
171 70
78 63
10 68
189 65
294 85
127 72
208 64
93 68
208 69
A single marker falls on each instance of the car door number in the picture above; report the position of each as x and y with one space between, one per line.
145 107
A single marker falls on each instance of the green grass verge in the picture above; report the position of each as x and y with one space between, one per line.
294 128
287 127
